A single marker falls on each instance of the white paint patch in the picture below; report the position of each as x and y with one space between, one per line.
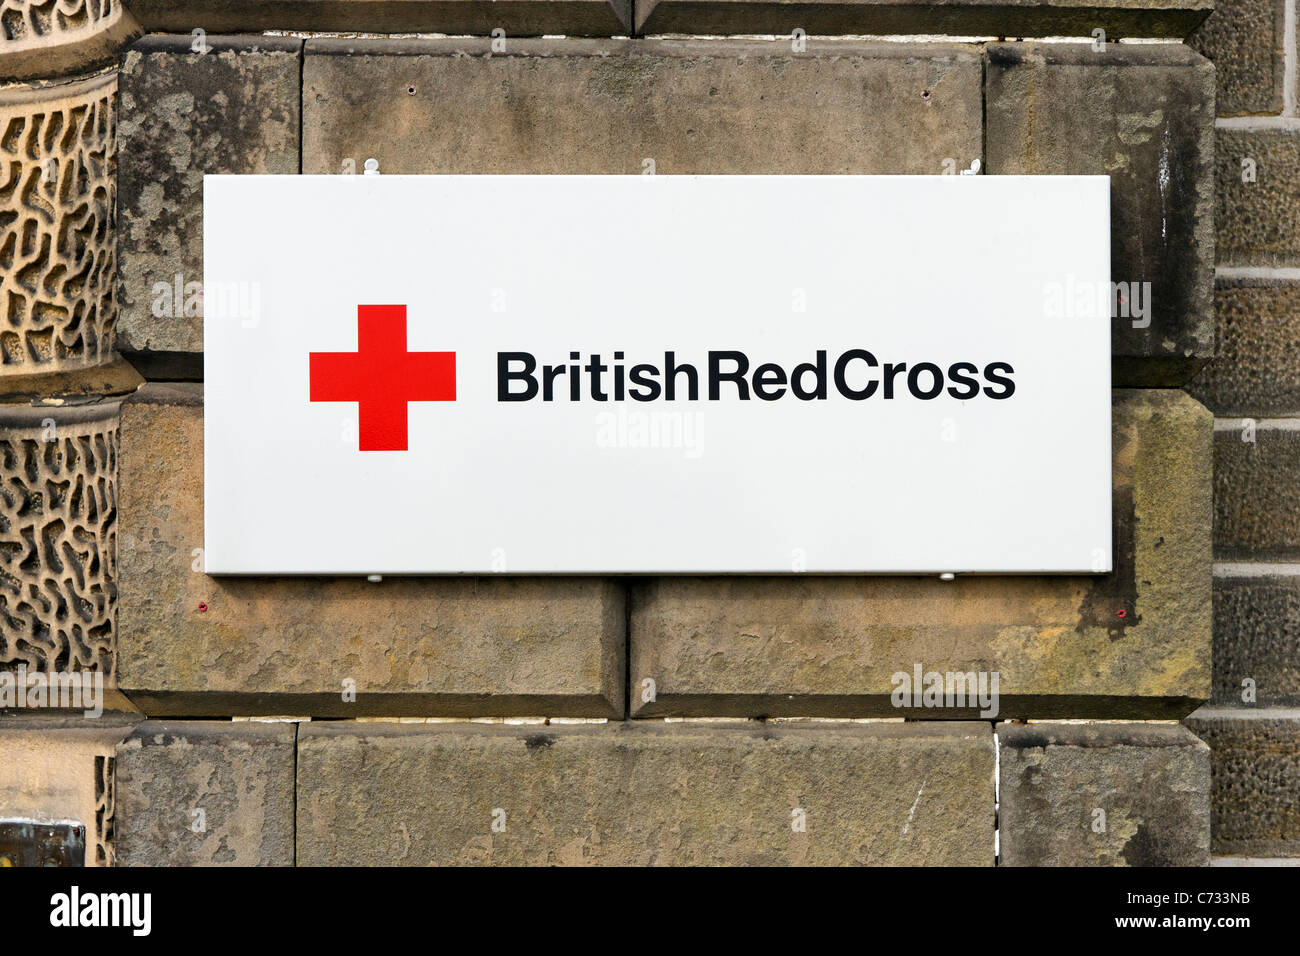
911 814
1261 424
1246 713
1258 122
1291 59
1287 273
1252 569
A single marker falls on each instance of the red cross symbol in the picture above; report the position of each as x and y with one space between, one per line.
381 377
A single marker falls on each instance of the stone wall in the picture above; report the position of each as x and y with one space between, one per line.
644 720
60 378
1252 722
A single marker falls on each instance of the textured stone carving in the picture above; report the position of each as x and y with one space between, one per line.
58 302
53 37
30 19
104 771
58 537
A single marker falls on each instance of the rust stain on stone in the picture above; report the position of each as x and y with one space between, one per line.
1117 592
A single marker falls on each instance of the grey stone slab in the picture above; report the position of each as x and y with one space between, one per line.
232 109
1255 768
1144 115
1257 175
1256 367
1245 39
689 106
517 18
646 793
1018 18
206 793
1257 640
1256 494
1103 795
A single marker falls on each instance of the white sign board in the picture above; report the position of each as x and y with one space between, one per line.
656 374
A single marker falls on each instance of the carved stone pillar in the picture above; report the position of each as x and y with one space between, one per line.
58 419
58 537
56 37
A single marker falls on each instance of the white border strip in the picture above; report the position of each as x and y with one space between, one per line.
1246 713
1258 123
1290 60
1255 569
1261 424
1286 273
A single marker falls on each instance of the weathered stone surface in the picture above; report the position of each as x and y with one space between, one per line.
1150 782
646 793
830 645
1257 638
57 226
1021 18
60 767
1258 180
232 109
1246 39
1144 115
518 18
1255 771
58 537
239 777
588 106
113 378
1256 494
194 645
58 37
1256 366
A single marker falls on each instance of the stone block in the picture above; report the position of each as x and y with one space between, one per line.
206 793
1256 367
1257 638
233 108
1245 39
1020 18
1256 495
190 644
59 768
1102 795
1255 771
1258 181
1134 643
646 793
609 106
1144 115
518 18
